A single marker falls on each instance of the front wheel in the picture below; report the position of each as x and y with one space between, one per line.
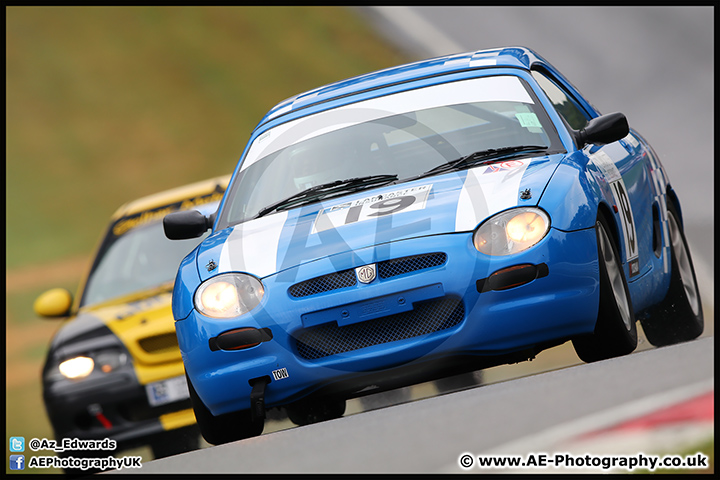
679 317
224 428
615 331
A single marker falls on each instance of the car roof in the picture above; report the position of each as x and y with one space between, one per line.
514 57
173 195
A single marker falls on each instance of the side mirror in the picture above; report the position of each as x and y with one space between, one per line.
187 224
54 303
603 129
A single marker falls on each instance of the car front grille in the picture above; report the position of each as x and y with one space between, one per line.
386 269
333 281
400 266
165 342
426 317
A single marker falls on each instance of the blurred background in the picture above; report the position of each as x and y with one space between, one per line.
107 104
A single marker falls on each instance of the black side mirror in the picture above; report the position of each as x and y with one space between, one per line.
603 129
187 224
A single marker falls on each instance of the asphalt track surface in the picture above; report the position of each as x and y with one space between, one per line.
655 64
525 415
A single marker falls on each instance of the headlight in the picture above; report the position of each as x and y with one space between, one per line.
81 366
78 367
511 231
229 295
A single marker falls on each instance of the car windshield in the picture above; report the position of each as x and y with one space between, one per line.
405 134
139 259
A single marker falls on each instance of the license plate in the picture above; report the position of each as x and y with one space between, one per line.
167 391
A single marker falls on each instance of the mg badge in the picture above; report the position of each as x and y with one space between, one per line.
366 273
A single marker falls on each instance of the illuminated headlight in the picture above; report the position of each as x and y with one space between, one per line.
511 231
78 367
229 295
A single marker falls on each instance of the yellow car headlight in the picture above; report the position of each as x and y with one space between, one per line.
78 367
229 295
511 231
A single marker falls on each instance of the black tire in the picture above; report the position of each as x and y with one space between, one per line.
176 441
459 382
224 428
305 412
615 331
679 317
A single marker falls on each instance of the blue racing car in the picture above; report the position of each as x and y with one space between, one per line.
419 222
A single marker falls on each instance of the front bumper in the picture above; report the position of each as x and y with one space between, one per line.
327 335
113 406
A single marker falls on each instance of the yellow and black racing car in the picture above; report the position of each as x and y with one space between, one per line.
114 369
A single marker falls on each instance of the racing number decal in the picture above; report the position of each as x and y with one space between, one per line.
385 207
628 222
391 205
627 217
617 186
371 207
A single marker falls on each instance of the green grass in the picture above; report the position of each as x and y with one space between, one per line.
106 104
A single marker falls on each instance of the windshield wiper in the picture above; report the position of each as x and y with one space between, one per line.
325 190
480 157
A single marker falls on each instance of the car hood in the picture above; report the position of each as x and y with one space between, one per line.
449 203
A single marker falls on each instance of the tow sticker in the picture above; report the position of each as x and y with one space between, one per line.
407 199
280 374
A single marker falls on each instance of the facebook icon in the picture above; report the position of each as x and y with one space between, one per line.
17 462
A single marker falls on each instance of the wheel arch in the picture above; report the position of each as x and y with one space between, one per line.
673 198
606 212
